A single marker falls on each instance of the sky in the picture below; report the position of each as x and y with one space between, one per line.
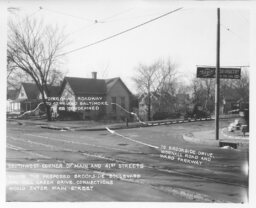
187 37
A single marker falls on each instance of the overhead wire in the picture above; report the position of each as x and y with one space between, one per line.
103 20
239 17
245 20
95 20
32 14
143 16
120 33
70 15
231 31
117 14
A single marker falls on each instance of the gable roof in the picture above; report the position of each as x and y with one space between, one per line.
111 82
54 91
85 86
80 86
31 90
12 94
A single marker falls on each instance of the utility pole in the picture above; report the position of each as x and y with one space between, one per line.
217 84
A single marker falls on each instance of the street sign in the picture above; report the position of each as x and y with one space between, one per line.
225 73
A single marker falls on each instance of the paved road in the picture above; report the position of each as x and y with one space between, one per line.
50 165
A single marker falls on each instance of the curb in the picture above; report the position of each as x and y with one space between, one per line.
234 141
151 124
56 128
84 129
232 137
195 140
240 141
144 125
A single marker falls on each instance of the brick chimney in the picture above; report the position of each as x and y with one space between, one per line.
94 75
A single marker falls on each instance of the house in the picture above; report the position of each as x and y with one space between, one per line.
12 106
83 96
92 98
117 92
29 96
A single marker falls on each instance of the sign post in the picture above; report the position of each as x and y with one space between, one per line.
217 73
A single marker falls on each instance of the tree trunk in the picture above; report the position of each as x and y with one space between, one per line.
48 112
149 107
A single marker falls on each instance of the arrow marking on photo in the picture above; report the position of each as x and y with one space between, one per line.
115 133
31 111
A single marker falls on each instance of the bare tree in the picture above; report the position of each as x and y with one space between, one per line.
16 77
157 78
241 86
203 92
237 90
35 48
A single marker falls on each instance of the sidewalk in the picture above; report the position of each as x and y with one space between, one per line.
75 125
233 139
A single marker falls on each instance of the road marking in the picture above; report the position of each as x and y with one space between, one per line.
20 129
47 145
26 151
81 143
38 143
10 146
103 157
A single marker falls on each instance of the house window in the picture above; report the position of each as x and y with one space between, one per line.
113 105
22 94
123 102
